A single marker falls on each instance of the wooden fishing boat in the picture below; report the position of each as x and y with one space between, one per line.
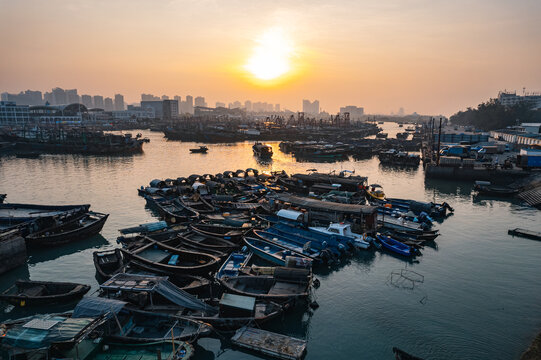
167 350
395 246
2 198
197 238
262 150
494 190
269 251
175 261
108 263
198 205
78 228
36 293
16 213
234 263
230 233
172 211
286 284
294 247
375 192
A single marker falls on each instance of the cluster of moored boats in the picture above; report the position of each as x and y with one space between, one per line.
232 251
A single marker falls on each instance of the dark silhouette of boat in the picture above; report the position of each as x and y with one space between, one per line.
201 150
78 228
34 293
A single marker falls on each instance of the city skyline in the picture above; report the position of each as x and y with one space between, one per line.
431 57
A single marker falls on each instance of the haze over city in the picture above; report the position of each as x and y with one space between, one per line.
427 56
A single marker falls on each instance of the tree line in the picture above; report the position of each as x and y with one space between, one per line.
492 115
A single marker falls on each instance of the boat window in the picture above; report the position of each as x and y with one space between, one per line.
334 230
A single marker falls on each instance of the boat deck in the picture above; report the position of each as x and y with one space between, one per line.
266 342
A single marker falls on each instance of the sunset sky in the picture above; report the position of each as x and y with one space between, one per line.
428 56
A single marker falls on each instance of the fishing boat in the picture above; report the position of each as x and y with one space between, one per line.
401 224
175 261
402 135
165 350
14 213
37 293
284 285
296 247
262 150
204 241
234 263
395 246
201 150
486 188
269 251
2 198
172 211
76 229
375 192
197 204
231 233
28 155
381 135
108 263
341 229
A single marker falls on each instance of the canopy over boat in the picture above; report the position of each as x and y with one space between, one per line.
156 284
326 206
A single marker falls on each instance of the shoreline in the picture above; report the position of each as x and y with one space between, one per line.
533 352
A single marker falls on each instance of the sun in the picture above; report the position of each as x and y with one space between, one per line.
271 57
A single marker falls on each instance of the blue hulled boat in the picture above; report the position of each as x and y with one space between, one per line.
269 251
303 249
234 263
395 246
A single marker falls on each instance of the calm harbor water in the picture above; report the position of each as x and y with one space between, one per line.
481 295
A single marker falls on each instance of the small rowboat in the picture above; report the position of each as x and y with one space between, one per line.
32 293
395 246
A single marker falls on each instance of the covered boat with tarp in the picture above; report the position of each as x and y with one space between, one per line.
129 326
50 336
17 213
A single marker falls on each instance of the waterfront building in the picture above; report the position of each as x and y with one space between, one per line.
108 104
531 128
119 102
13 114
134 113
98 101
507 98
71 114
220 104
86 100
186 107
355 113
248 105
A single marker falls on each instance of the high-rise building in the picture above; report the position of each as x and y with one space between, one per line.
309 107
86 100
200 101
149 97
270 108
248 105
108 104
119 102
155 105
13 114
165 97
220 104
48 98
170 109
27 97
98 102
72 97
59 96
235 105
277 107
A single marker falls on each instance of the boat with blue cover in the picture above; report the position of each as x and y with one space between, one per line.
395 246
298 249
234 263
269 251
335 241
316 243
